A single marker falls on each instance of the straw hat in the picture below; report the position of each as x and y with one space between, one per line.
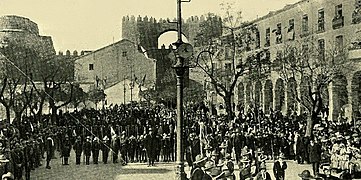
305 175
8 175
214 153
199 159
223 145
227 156
281 156
209 165
3 159
215 172
208 147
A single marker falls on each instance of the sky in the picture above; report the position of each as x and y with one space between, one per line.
92 24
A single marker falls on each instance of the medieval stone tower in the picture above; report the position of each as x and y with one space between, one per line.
145 31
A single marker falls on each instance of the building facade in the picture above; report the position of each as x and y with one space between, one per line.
113 64
329 24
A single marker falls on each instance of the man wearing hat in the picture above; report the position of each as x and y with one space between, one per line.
229 163
50 147
196 171
95 150
65 150
115 147
123 147
279 168
214 157
314 151
263 174
208 170
78 148
151 143
87 149
105 149
305 175
18 160
244 165
238 141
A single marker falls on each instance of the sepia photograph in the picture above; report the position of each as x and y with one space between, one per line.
180 89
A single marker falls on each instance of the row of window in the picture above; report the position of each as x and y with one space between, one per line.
337 22
321 47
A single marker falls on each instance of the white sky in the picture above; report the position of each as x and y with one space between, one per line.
91 24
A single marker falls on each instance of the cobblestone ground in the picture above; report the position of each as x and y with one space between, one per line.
132 171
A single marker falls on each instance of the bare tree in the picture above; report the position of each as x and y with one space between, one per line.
316 66
221 41
16 66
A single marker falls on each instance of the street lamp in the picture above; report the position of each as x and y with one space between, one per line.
182 52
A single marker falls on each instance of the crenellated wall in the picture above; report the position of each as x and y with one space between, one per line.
146 30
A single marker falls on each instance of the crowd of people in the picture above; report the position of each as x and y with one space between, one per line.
214 145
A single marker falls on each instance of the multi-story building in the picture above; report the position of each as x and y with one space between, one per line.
329 24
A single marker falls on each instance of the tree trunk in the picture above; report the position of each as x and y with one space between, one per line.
228 103
8 114
309 126
53 111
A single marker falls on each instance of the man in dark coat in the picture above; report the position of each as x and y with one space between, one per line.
238 143
279 168
124 147
151 144
78 148
115 148
65 150
314 152
95 150
27 159
50 147
87 149
18 160
300 149
105 149
196 171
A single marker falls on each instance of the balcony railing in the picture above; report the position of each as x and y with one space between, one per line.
338 22
321 26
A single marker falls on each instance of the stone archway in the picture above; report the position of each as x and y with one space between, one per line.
340 96
268 96
279 94
356 95
168 37
292 102
258 94
240 94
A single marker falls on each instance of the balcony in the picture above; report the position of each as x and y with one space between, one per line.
356 16
354 51
338 22
321 26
